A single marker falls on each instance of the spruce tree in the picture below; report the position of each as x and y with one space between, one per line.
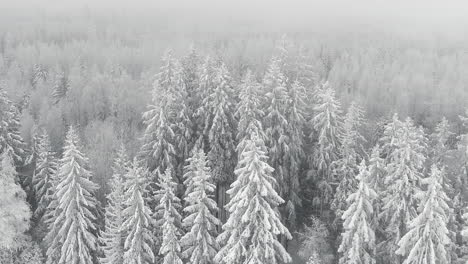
296 122
46 168
428 237
170 220
249 112
203 115
221 135
346 168
284 122
137 221
199 243
15 213
327 132
10 138
72 233
405 162
251 233
158 148
439 140
113 236
358 241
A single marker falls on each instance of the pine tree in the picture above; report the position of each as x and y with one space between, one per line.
427 239
327 132
221 135
249 112
137 221
296 121
404 173
15 212
46 167
199 243
203 115
284 122
191 77
72 233
113 236
358 242
170 221
250 234
61 86
183 123
346 168
376 169
440 139
158 140
375 181
10 138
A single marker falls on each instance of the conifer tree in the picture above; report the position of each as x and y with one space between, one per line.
191 77
10 138
284 122
199 243
327 132
113 236
170 221
346 168
251 233
183 125
203 115
296 121
61 86
375 181
72 233
46 168
137 221
358 242
428 237
14 213
249 112
407 145
439 140
221 135
158 139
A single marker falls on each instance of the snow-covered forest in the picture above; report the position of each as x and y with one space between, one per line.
156 141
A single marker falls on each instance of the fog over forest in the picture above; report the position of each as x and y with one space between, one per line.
233 132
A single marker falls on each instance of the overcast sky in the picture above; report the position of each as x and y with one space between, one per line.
437 14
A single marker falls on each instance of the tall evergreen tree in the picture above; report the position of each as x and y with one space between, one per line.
113 236
345 168
171 221
72 233
404 174
203 115
440 138
199 243
251 232
249 112
158 148
358 243
284 122
137 221
428 237
221 135
327 133
296 122
14 212
10 138
46 168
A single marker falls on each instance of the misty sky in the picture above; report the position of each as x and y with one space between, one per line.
441 15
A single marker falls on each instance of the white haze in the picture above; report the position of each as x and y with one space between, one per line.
298 15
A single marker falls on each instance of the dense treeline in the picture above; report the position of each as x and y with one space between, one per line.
218 156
